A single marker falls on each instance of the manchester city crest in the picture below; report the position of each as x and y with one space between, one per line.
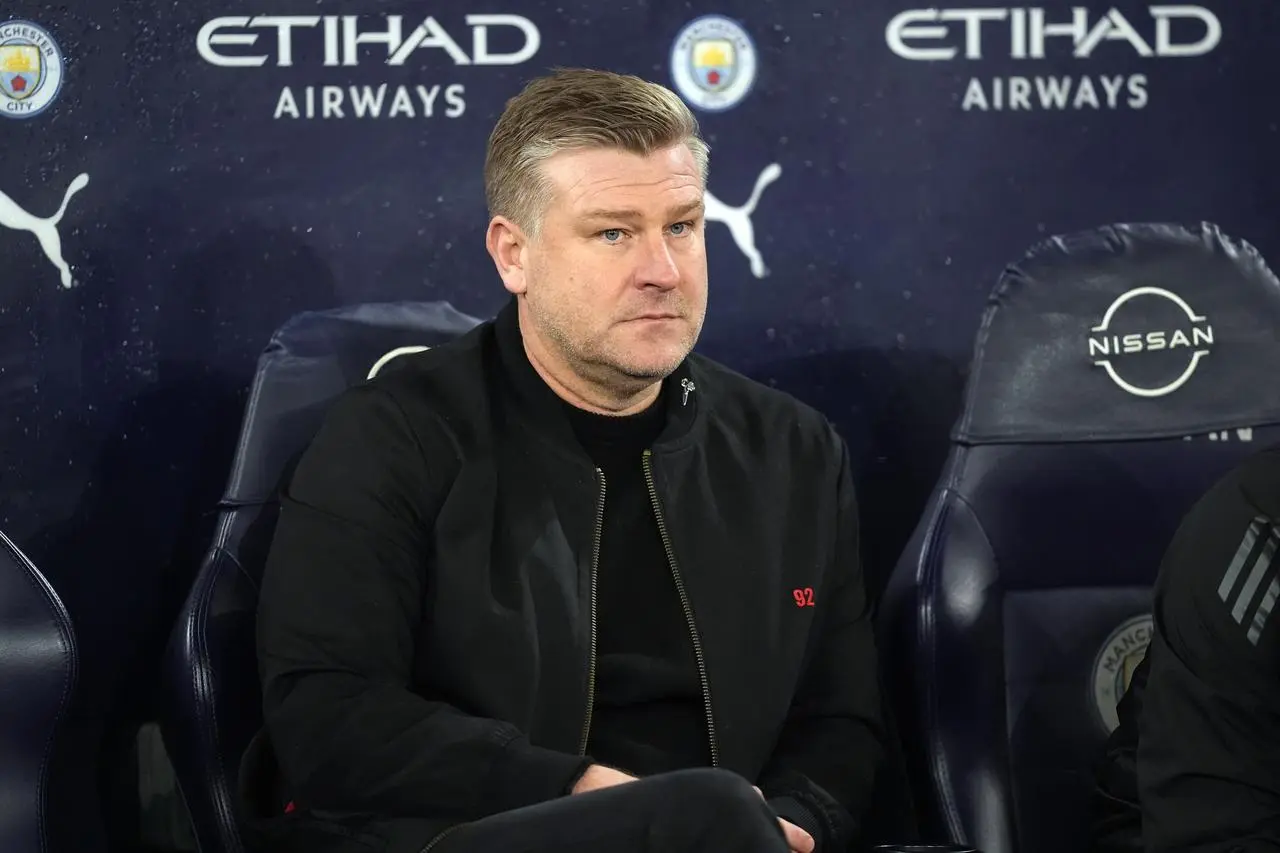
31 69
1113 668
713 63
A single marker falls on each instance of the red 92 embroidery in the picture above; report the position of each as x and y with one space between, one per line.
803 597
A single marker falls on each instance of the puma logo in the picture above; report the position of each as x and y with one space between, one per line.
739 219
45 229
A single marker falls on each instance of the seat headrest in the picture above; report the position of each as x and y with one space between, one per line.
1135 331
310 360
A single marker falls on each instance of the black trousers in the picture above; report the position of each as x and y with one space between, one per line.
686 811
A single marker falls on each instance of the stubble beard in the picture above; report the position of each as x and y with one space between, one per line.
599 361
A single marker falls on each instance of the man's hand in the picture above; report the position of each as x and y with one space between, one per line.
598 776
798 840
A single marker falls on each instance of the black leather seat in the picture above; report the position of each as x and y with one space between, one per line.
212 697
38 667
1117 374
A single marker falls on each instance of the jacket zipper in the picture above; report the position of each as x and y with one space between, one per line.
433 842
591 654
684 603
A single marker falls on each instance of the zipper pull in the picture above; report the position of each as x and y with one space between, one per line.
688 386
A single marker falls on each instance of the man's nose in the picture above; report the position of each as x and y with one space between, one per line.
658 265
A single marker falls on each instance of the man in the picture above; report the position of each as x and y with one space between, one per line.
1195 763
561 585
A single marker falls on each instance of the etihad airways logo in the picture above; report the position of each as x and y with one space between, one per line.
916 33
1034 33
233 41
348 41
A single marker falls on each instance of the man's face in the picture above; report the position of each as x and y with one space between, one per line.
616 279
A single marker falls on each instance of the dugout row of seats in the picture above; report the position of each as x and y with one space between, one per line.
1116 374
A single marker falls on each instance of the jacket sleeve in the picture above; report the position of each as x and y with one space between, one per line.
1208 754
337 624
1117 814
824 765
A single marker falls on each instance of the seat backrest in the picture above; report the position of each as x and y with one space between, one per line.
1116 375
38 665
212 696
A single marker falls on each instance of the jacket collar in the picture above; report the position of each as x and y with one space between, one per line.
680 391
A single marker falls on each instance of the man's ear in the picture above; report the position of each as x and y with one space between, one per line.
507 244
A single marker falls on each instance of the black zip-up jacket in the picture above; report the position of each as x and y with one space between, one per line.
427 619
1195 762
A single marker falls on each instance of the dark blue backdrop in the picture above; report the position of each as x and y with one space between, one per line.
918 153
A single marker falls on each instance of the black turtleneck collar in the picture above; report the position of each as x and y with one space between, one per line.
679 392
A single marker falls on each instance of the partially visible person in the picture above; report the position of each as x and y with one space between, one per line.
1195 763
562 585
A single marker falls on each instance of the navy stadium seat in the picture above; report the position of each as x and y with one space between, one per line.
212 703
38 667
1117 374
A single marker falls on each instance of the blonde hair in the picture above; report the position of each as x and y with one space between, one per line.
578 108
